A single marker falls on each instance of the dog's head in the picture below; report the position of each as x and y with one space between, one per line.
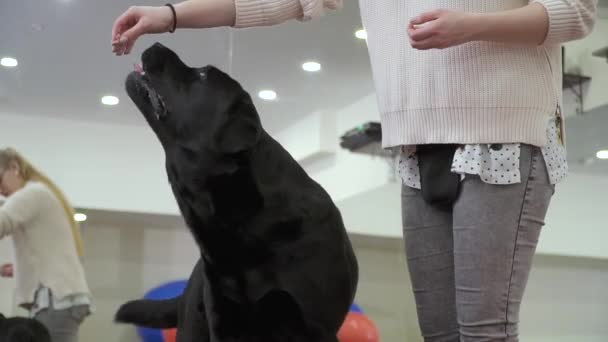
196 113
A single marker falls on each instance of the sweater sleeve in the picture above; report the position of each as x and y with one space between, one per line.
19 208
569 19
250 13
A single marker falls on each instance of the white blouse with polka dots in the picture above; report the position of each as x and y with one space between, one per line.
493 163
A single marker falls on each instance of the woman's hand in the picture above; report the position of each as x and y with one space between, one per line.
140 20
136 21
522 26
440 29
6 271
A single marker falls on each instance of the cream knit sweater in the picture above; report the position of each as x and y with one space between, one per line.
479 92
45 253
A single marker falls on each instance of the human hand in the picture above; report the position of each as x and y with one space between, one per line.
136 21
440 29
6 271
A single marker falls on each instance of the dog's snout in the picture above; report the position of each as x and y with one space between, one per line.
158 57
155 57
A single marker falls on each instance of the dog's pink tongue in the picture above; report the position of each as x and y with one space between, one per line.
138 68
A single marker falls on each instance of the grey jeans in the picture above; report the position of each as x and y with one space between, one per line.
64 324
469 267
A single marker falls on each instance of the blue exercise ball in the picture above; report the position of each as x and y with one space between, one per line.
165 291
355 308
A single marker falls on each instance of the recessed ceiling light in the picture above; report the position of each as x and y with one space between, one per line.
109 100
267 95
361 34
80 217
8 62
311 66
602 154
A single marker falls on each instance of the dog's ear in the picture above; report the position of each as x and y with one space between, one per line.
241 130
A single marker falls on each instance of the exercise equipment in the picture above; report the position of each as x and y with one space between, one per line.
169 335
355 308
357 327
164 291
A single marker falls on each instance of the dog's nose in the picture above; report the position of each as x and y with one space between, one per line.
154 58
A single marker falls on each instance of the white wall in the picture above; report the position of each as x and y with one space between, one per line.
125 260
104 166
345 174
579 60
121 168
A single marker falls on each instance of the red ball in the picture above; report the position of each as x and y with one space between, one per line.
169 335
358 328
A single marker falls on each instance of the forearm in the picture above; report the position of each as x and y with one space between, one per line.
527 25
238 13
205 13
541 22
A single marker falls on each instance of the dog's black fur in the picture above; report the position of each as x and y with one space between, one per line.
20 329
276 263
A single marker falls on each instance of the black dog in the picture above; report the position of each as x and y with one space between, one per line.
276 262
20 329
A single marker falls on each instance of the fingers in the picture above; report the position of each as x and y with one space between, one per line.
119 46
426 44
422 32
131 35
125 31
426 17
124 22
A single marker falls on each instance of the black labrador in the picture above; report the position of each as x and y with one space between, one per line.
20 329
276 262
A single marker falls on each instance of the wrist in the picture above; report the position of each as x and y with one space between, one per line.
478 26
168 18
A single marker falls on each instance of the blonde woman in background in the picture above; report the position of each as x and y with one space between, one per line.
50 278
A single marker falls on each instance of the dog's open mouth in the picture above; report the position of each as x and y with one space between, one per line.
145 89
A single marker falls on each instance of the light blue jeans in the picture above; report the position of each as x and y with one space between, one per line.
469 267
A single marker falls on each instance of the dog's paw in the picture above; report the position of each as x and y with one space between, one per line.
127 313
148 313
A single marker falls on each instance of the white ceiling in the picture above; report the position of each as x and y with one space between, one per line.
66 64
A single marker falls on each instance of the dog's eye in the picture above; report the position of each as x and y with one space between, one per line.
203 74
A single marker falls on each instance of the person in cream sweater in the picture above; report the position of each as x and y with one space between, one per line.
477 82
50 279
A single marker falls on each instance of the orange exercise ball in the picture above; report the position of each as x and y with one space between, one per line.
358 328
169 335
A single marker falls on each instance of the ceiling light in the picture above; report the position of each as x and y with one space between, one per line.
267 95
80 217
109 100
602 154
361 34
311 66
8 62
